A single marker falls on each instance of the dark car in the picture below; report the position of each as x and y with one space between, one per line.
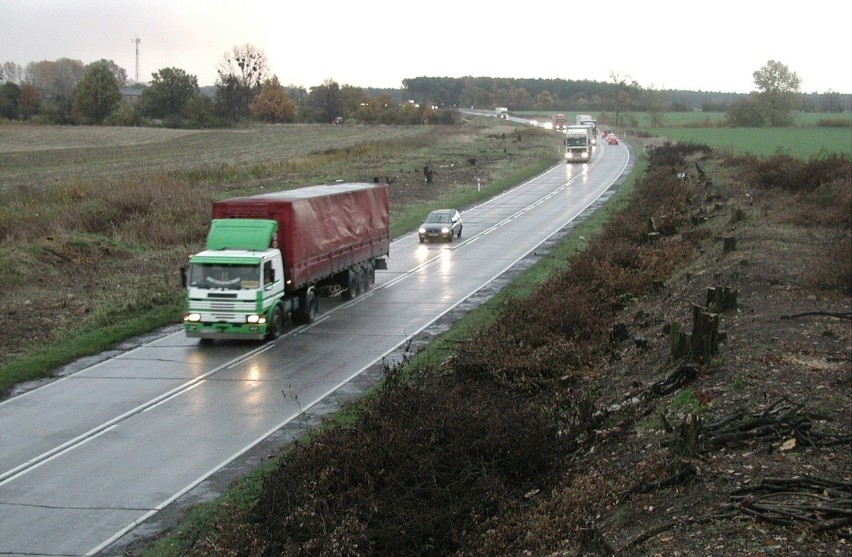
612 140
442 224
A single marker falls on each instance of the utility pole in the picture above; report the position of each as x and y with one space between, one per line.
137 40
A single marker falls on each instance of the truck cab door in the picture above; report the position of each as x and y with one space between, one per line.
273 275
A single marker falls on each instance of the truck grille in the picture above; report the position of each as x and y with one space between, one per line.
221 310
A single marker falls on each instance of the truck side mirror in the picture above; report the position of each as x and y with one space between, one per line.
183 280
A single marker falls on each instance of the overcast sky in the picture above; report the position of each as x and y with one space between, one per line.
708 46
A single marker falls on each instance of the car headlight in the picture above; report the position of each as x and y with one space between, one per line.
253 318
422 230
192 317
444 230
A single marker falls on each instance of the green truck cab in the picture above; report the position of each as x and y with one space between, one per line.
236 292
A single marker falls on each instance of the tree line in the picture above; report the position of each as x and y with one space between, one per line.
66 91
776 96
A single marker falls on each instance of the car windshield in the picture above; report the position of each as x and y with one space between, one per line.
224 276
442 218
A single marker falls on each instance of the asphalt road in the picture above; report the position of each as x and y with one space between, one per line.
90 460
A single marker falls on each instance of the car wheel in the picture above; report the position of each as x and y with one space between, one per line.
459 234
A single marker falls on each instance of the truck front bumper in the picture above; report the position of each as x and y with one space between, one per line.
225 331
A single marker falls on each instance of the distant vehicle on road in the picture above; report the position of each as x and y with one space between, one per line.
612 140
501 112
587 120
443 224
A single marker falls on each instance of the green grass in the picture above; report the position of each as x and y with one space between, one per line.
801 142
686 401
44 358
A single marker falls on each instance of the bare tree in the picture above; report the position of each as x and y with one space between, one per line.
656 101
622 97
241 74
10 72
56 81
246 63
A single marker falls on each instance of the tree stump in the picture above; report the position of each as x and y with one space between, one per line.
685 442
651 225
428 173
722 298
704 344
679 341
737 215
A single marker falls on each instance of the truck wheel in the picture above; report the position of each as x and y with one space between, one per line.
309 306
351 289
362 279
371 276
276 326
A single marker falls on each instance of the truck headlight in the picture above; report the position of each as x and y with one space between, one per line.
192 317
254 318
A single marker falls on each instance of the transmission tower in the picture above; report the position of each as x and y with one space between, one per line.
137 40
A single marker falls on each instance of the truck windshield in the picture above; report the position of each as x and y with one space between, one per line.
225 276
575 141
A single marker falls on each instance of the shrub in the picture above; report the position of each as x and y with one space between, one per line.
791 174
425 462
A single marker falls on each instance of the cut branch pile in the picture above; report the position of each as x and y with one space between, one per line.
824 505
781 420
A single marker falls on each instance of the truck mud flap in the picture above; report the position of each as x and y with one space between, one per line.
381 264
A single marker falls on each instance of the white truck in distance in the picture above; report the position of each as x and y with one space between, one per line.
578 144
501 112
587 120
